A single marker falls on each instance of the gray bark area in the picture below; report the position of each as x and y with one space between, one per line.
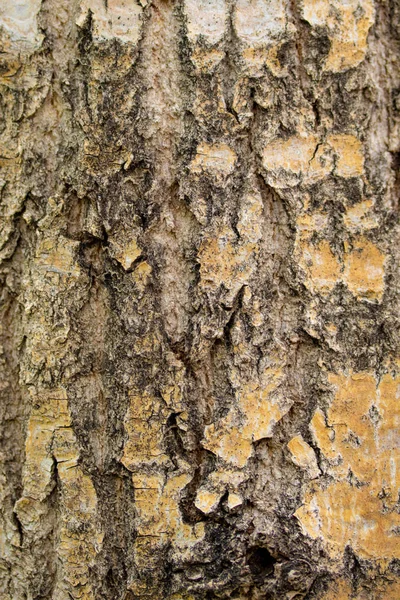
199 299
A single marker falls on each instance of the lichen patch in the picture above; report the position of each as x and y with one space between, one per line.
347 25
360 442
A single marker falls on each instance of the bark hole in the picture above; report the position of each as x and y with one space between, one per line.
261 562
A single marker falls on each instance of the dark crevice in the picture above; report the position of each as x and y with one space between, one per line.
261 563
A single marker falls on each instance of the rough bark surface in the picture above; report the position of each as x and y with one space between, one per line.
199 299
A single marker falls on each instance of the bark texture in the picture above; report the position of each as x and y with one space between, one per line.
199 299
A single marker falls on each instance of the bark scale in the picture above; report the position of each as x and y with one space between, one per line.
199 302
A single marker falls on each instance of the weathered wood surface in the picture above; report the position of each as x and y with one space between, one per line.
199 311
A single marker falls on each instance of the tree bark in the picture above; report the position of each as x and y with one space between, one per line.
199 299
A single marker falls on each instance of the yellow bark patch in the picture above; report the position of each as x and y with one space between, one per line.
307 224
206 59
292 155
159 520
389 590
347 25
157 495
105 158
323 435
216 485
261 408
50 414
228 443
58 256
207 501
80 537
361 268
349 155
304 456
321 266
365 270
257 408
345 515
144 424
377 589
252 419
225 261
125 254
338 590
50 439
257 58
234 500
156 501
360 440
306 159
141 275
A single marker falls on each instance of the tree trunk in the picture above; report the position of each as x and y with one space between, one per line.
199 310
